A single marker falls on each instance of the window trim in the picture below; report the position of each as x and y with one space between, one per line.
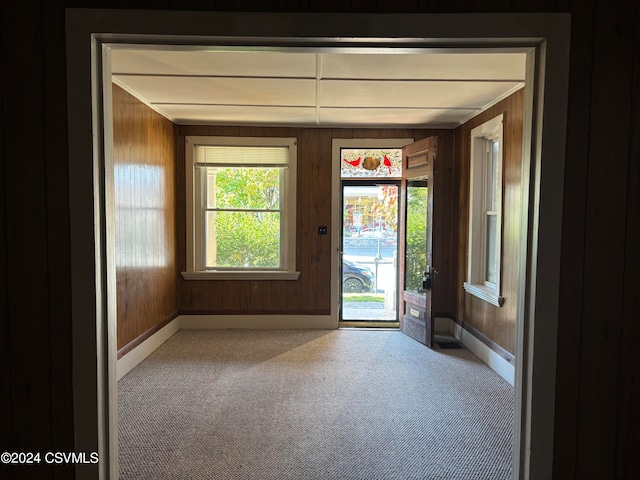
476 283
195 246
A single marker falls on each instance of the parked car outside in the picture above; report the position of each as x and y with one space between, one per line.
356 278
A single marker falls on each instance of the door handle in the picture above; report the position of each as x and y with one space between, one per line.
431 271
426 281
426 278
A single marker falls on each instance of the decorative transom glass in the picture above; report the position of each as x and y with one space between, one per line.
371 163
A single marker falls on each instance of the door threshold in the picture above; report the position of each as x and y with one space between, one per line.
367 324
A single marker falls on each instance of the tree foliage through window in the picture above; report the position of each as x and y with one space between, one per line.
244 224
416 236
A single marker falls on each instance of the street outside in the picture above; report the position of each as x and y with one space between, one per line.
364 251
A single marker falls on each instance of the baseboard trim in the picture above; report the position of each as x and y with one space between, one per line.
138 353
509 357
277 322
257 312
141 338
493 359
142 350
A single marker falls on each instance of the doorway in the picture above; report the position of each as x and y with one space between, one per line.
370 172
369 253
544 37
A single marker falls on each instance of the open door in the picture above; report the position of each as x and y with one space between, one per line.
417 272
369 249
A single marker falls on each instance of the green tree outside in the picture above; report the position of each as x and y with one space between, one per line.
416 236
237 237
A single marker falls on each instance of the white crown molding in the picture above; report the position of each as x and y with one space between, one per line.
135 94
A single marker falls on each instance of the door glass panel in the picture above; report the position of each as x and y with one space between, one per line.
369 243
416 234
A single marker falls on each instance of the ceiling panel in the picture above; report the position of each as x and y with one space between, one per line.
438 94
260 64
449 66
283 88
391 116
224 91
226 115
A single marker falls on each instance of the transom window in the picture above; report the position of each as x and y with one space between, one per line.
367 163
241 207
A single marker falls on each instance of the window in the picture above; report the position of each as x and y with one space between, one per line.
241 199
485 212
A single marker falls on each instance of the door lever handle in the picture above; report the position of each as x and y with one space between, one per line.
426 282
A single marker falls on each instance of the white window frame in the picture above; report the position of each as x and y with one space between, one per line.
195 204
476 284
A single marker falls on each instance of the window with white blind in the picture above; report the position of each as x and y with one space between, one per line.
485 212
241 199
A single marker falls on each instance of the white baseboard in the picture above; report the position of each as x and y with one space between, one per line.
286 322
273 322
496 362
131 359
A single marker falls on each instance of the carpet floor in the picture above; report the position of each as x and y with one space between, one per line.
308 404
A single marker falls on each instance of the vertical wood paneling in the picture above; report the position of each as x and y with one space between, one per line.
573 234
312 218
482 5
396 6
294 289
58 227
303 198
628 416
323 5
462 151
537 5
443 223
497 323
311 293
445 257
6 426
605 239
25 192
427 6
144 169
324 217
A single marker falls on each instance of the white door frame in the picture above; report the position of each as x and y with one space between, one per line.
336 207
545 38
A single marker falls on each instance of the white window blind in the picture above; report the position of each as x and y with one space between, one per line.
241 156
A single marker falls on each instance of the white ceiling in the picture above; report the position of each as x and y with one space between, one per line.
318 89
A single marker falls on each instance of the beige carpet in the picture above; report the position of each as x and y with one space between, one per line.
340 404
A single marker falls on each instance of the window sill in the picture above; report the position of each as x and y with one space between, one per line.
229 275
484 293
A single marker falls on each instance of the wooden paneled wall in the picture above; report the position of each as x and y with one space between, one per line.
311 293
144 171
443 292
36 342
498 324
598 385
